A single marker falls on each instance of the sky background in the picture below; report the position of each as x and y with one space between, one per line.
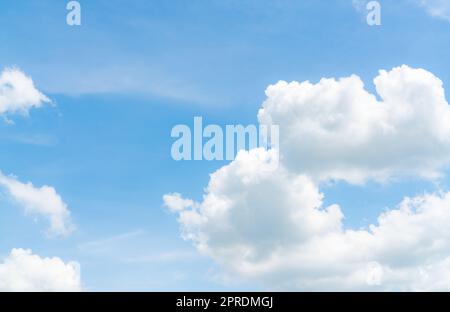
119 83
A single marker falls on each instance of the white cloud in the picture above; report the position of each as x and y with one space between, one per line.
360 5
335 129
436 8
43 201
176 203
18 93
271 226
23 271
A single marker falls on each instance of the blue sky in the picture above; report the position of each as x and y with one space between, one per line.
119 83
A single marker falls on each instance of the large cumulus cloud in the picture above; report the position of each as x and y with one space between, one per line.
271 225
335 129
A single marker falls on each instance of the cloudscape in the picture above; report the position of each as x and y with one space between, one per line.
224 145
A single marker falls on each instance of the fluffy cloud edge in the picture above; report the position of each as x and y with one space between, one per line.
40 201
18 93
24 271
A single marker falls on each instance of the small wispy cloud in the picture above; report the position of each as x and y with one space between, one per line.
359 5
29 139
169 256
39 201
106 244
436 8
